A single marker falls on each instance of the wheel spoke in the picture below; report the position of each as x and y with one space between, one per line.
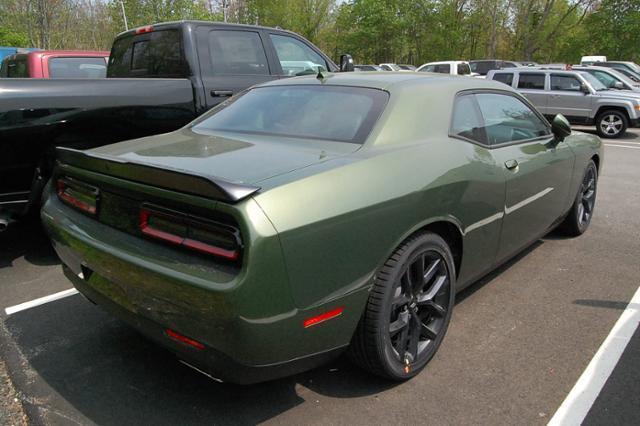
430 272
399 324
401 343
433 307
414 338
428 332
440 281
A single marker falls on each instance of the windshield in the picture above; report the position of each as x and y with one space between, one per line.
343 114
594 82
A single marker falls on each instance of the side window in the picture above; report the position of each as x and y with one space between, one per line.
443 68
508 119
531 81
237 52
467 121
17 68
428 68
463 69
565 82
506 78
296 58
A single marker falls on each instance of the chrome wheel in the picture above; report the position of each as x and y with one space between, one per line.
419 307
611 124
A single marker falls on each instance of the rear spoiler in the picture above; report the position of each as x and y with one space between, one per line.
174 179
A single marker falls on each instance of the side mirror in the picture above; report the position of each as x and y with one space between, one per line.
560 127
346 63
618 85
585 89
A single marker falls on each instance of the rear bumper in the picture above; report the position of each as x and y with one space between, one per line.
208 360
248 323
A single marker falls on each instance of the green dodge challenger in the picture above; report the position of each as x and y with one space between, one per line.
312 216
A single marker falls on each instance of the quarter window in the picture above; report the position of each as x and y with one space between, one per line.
467 121
463 69
506 78
565 83
531 81
237 52
296 58
508 119
443 68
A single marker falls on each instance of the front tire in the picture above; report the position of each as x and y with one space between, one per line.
579 217
611 124
408 311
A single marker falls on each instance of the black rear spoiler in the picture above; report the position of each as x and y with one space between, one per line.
174 179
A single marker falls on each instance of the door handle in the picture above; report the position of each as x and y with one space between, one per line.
221 93
511 164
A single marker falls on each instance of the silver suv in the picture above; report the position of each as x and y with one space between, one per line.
577 95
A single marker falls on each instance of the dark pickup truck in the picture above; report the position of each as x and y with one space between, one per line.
159 78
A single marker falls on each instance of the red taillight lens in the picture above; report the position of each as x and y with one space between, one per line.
78 195
183 339
146 29
193 233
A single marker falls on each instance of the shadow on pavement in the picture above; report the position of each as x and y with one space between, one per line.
609 304
27 239
98 366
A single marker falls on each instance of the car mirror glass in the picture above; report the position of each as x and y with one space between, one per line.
560 127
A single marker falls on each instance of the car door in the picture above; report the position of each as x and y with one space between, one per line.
537 169
567 97
295 57
231 61
532 86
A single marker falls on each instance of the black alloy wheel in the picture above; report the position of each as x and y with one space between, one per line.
408 311
581 213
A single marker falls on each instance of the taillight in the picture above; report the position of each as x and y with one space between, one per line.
145 29
78 195
194 233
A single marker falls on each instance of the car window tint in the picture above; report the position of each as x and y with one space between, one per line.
605 78
467 121
506 78
296 58
565 83
508 119
428 68
237 52
77 68
463 69
531 81
443 68
17 68
334 113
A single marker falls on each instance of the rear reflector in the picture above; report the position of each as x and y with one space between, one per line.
146 29
78 195
183 339
323 317
187 231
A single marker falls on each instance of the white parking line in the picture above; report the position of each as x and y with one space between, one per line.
584 393
41 301
622 146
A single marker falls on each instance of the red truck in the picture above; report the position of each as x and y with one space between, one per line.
56 64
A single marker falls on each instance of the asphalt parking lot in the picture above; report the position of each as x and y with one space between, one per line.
519 341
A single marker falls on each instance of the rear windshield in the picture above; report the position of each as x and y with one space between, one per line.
154 54
77 68
343 114
483 67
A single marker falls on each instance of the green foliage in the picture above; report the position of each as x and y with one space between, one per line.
9 37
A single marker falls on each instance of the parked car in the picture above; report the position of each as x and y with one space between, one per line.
626 65
590 60
407 67
243 242
578 95
366 68
6 51
390 67
159 78
630 74
56 64
447 67
483 66
610 77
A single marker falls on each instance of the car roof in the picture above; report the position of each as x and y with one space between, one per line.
195 22
389 81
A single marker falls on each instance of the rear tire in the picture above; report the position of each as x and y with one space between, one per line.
408 311
611 124
579 217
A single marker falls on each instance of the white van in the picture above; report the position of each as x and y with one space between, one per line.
590 60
